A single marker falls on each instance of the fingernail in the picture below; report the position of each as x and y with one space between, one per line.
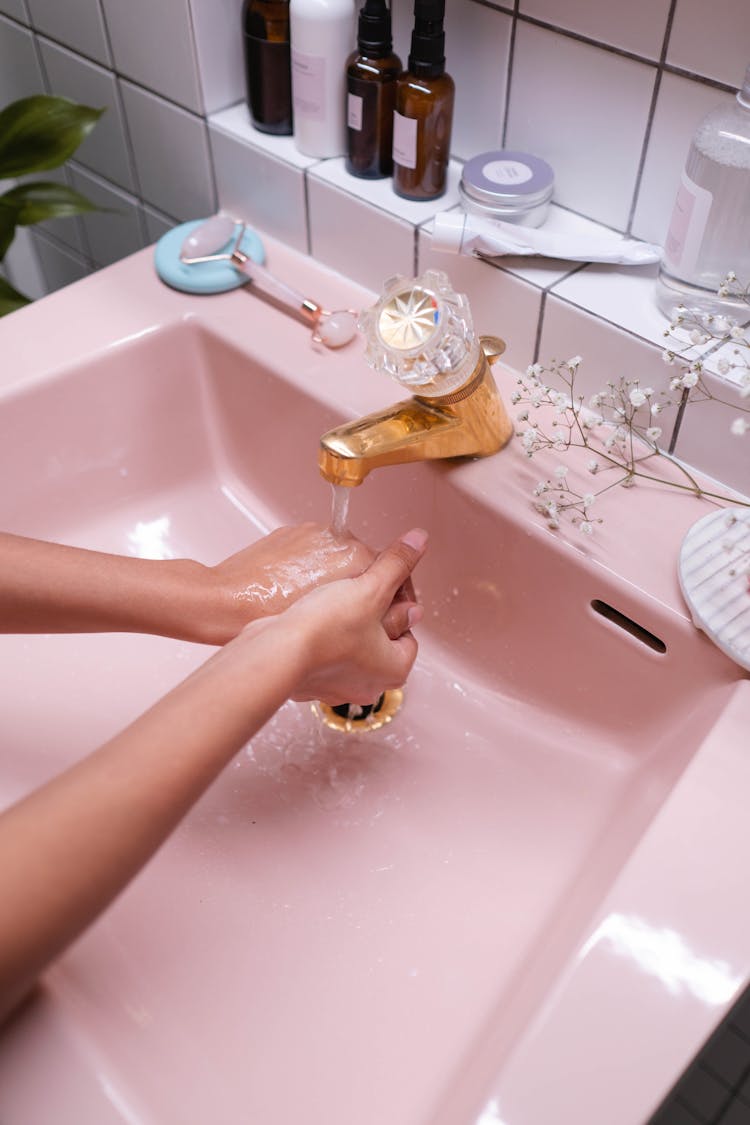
414 615
415 538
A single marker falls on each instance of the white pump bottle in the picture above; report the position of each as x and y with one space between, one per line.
322 34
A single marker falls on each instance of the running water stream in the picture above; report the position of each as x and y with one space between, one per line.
340 509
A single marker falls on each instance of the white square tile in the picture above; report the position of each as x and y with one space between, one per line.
585 110
67 230
501 304
680 105
266 192
361 242
637 26
380 193
16 9
114 231
76 23
711 39
477 51
608 352
622 295
20 75
171 155
218 43
152 43
105 149
235 122
156 224
59 265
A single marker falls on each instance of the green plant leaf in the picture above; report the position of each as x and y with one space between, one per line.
42 132
34 202
7 226
10 298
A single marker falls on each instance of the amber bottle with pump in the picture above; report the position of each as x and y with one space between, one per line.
424 109
265 25
371 73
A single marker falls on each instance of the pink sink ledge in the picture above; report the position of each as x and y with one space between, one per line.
519 904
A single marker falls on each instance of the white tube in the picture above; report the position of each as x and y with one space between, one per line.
457 232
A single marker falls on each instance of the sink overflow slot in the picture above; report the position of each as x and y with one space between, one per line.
620 619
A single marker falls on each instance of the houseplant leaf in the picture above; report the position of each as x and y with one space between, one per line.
39 200
42 132
10 298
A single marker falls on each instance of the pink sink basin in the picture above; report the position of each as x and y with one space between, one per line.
455 919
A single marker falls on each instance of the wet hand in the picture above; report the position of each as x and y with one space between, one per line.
357 632
265 578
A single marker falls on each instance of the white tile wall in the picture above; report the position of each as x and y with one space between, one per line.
477 53
585 111
721 52
152 44
171 153
105 149
260 178
20 74
14 8
637 26
114 231
377 245
59 265
218 43
75 23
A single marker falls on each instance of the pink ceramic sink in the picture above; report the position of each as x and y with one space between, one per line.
467 916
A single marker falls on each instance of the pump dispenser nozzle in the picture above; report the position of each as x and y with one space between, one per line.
427 55
374 37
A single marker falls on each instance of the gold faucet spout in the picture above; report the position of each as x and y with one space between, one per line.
471 422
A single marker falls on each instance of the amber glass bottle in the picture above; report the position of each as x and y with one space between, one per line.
265 24
424 109
371 74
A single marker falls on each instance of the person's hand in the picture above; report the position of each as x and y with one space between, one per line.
355 632
265 578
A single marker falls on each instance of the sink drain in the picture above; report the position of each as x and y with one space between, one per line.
351 717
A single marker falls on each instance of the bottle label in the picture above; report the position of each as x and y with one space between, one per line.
308 85
354 111
688 225
404 140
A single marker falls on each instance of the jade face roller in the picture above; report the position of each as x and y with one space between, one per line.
334 329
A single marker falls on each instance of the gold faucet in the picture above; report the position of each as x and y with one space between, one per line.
469 422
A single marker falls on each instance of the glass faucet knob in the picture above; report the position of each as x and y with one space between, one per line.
407 320
420 333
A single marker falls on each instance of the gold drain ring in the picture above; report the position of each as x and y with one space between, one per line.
351 722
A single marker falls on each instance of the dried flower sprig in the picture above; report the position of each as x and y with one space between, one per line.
690 329
619 426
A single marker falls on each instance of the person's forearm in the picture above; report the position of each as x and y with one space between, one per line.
50 588
71 846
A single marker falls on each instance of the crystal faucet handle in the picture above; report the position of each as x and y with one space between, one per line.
420 333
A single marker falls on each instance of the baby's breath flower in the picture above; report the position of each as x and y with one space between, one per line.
561 472
737 332
637 397
723 366
739 427
593 466
586 527
653 433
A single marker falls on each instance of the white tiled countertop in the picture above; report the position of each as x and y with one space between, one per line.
545 309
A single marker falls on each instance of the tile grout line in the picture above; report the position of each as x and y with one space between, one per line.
651 116
509 75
